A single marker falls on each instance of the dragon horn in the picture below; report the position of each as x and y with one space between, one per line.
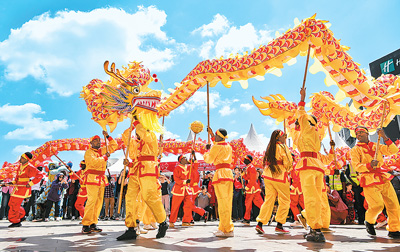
112 73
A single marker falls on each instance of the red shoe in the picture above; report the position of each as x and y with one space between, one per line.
281 230
259 229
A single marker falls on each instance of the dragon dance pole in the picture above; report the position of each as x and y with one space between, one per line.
305 72
69 169
160 141
208 110
379 137
333 148
123 173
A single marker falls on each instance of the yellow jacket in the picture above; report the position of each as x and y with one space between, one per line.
309 145
220 155
361 156
148 151
96 164
284 161
133 152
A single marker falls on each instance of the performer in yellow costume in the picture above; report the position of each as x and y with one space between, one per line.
311 170
96 164
278 162
220 155
147 183
375 180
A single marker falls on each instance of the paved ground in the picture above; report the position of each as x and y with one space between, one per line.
65 236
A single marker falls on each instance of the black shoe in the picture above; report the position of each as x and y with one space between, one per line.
370 228
86 230
129 234
95 229
246 222
394 234
315 236
22 219
206 214
162 229
15 225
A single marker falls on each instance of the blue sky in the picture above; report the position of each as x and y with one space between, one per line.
50 49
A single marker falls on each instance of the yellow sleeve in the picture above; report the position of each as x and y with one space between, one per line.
326 159
388 150
209 157
303 118
356 161
93 160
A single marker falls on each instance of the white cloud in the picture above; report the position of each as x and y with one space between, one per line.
219 25
269 122
226 110
233 134
235 40
199 100
206 49
169 135
67 50
30 127
246 106
19 149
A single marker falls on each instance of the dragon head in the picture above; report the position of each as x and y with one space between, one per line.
124 95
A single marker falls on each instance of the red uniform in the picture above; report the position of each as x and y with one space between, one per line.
82 195
194 184
296 195
253 190
181 192
24 173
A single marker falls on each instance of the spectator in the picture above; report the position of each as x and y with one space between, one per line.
207 178
203 201
237 205
213 198
118 194
350 204
31 204
358 194
337 182
6 192
338 208
109 199
396 183
54 196
164 181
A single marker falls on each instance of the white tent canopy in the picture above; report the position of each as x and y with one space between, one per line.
253 142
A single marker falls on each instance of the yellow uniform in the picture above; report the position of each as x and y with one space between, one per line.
96 180
132 193
277 185
148 172
220 155
311 169
378 190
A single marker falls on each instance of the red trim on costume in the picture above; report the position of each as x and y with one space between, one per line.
223 165
222 179
302 104
306 167
308 154
147 158
388 142
95 172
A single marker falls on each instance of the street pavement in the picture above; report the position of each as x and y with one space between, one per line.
65 236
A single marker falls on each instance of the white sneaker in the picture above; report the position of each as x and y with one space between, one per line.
381 224
296 224
73 218
58 218
154 225
46 220
219 233
148 227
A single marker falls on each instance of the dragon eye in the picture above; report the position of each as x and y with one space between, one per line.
136 90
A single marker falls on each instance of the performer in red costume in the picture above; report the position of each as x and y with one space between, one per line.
23 183
82 195
253 190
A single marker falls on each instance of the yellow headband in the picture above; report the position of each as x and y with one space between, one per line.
220 134
361 129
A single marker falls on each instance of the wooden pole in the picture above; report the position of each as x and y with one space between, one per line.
379 137
333 148
69 169
123 173
305 72
208 110
284 125
160 141
191 163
